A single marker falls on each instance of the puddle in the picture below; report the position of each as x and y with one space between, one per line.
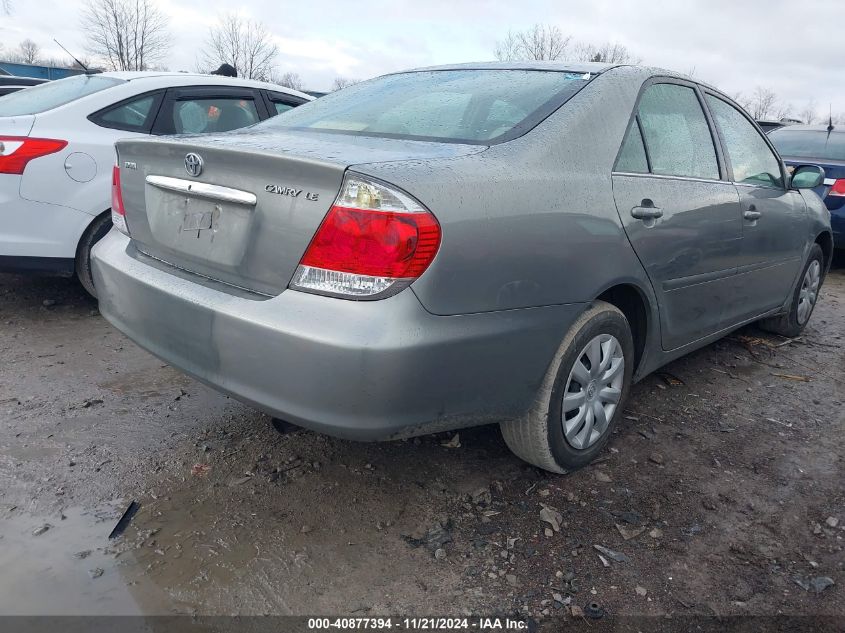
69 569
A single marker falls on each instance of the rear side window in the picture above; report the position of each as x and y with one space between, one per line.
459 106
818 144
676 133
134 115
53 94
632 156
751 158
215 114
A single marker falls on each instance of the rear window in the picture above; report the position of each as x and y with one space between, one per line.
54 94
459 106
817 144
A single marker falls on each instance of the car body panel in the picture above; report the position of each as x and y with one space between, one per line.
772 248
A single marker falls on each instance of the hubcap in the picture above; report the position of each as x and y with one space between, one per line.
592 392
809 291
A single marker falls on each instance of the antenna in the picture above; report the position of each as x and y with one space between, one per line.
84 67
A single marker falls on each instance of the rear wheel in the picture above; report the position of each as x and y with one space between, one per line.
582 395
93 234
804 299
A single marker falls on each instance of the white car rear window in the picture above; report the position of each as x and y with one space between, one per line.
53 94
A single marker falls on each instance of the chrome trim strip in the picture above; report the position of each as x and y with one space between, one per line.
667 177
203 190
829 181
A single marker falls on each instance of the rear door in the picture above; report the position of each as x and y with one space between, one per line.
209 110
680 215
773 216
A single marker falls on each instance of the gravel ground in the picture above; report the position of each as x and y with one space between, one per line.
722 491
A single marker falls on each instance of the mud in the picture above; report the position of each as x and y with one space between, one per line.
726 475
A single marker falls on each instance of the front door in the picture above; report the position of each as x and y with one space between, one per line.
682 219
772 216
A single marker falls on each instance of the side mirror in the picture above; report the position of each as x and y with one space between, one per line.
807 177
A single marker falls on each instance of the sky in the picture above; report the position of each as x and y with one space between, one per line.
735 45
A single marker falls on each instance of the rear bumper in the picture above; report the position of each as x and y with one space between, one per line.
361 370
36 229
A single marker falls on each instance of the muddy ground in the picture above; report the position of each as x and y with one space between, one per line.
722 491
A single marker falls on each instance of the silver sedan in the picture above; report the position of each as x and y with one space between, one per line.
461 245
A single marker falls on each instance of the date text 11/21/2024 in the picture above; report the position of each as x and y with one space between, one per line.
419 624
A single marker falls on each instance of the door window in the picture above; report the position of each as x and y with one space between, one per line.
213 114
131 115
632 157
752 160
676 133
281 102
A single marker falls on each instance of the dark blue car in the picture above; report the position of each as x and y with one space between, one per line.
822 145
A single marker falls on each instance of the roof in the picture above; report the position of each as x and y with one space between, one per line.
577 67
190 78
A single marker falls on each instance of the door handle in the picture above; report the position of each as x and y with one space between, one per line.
646 212
752 215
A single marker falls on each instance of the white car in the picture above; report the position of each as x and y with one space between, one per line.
57 152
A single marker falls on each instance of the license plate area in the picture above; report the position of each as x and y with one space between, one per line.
213 232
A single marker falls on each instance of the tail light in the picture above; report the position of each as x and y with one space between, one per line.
838 188
374 241
118 211
17 151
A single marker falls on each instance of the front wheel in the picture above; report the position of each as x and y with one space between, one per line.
792 323
582 395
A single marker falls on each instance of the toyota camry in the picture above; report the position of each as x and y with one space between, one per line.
480 243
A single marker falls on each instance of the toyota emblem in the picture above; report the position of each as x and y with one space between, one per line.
193 164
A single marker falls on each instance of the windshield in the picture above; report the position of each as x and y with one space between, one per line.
53 94
817 144
459 106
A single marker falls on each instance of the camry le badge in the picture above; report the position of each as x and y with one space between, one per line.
291 191
193 164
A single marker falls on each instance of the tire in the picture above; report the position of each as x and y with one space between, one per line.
539 438
792 323
93 234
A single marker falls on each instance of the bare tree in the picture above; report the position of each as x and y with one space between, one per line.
809 114
342 82
29 51
743 101
125 34
762 103
608 53
783 111
288 80
6 6
540 42
245 44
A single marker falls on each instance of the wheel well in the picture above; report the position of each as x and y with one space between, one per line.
635 308
90 228
825 240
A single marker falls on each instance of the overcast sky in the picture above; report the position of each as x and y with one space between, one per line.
787 46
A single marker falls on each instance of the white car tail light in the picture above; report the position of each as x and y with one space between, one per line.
118 211
374 241
17 151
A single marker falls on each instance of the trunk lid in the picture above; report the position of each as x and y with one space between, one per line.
16 125
248 216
